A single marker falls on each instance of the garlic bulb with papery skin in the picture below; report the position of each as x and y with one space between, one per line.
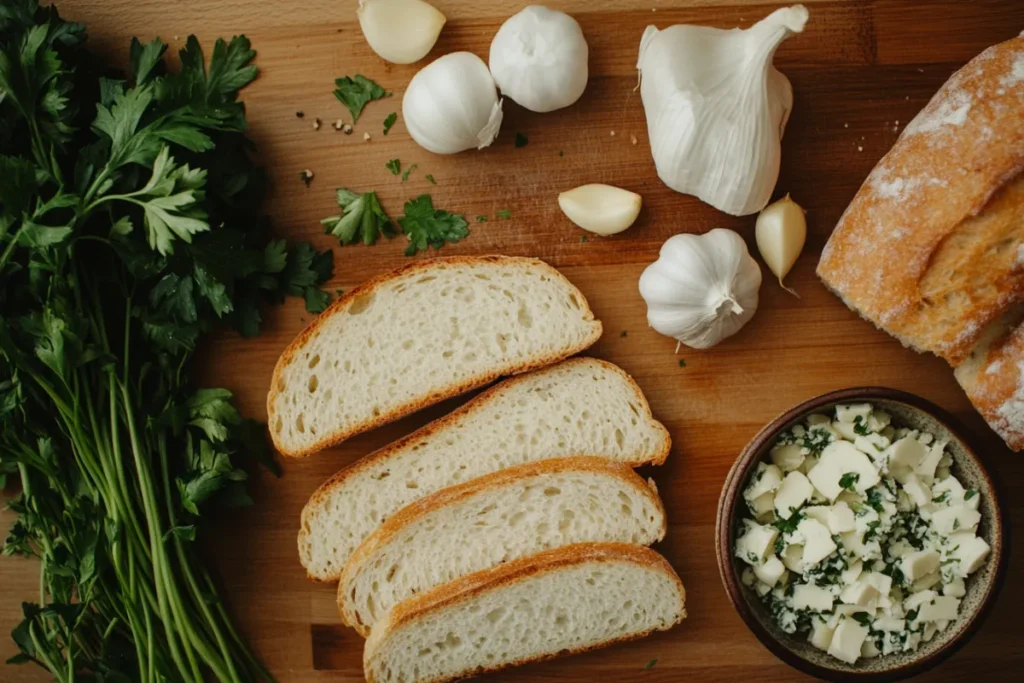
716 108
539 59
452 105
702 288
400 31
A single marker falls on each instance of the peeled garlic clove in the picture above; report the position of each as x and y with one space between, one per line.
601 209
539 59
781 231
400 31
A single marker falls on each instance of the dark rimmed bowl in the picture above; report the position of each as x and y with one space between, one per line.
982 587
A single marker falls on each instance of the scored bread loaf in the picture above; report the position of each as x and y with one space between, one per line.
419 335
499 517
582 406
932 247
561 601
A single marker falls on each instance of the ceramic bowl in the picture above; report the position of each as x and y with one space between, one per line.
982 586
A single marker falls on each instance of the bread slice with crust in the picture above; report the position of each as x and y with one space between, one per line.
416 336
499 517
563 601
582 406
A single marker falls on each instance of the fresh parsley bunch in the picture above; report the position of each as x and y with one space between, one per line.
128 232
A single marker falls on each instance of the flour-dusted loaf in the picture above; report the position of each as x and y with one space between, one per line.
582 406
419 335
932 248
562 601
499 517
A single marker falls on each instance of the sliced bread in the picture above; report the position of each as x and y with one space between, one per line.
562 601
499 517
416 336
582 406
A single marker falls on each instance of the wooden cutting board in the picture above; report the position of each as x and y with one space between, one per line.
860 72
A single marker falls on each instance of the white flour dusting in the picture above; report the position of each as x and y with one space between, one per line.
1016 75
951 112
994 368
1011 413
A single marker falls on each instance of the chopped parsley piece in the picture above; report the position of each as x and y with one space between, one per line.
682 363
481 219
393 165
875 500
561 153
859 427
970 493
430 179
862 618
943 497
390 121
521 140
623 333
848 480
355 92
361 218
650 664
405 175
583 239
428 227
503 214
872 530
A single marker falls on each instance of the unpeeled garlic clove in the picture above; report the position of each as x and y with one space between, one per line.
400 31
600 209
781 231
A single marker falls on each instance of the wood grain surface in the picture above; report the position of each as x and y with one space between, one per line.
860 72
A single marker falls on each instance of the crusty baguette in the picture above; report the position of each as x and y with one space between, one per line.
993 377
563 601
499 517
929 248
932 248
582 406
419 335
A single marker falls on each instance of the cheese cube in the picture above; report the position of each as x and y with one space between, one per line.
955 518
851 573
850 412
927 581
854 545
861 593
820 635
818 513
762 589
847 640
769 571
903 456
889 624
838 459
755 542
941 472
955 588
881 582
879 420
941 624
766 478
851 498
840 518
873 445
918 599
763 507
953 487
917 490
970 550
926 468
793 493
793 558
807 596
808 464
869 649
788 457
919 563
816 420
928 632
847 429
818 543
747 577
939 607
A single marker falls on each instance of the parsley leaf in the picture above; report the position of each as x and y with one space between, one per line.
650 664
849 480
362 218
355 92
390 121
862 618
393 165
430 179
521 140
428 227
503 214
405 174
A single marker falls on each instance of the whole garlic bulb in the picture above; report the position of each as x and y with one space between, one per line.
716 108
702 288
452 105
539 59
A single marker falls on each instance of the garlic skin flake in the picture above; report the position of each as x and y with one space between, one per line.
539 59
601 209
716 108
781 232
400 31
702 288
452 105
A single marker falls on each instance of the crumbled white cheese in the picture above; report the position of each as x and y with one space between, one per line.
862 537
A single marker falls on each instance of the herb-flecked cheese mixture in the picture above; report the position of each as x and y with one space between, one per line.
860 538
